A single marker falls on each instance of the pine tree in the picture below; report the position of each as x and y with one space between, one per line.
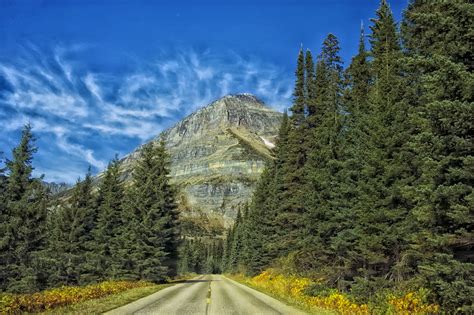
184 265
227 250
438 41
323 165
154 207
261 228
387 164
358 79
23 233
236 245
4 223
71 236
352 148
127 238
260 232
20 168
265 228
310 87
109 221
291 202
382 208
299 99
256 224
213 252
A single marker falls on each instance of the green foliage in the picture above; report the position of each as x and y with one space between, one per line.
116 233
437 36
71 237
109 220
310 86
150 232
371 187
20 168
324 159
23 228
298 108
201 255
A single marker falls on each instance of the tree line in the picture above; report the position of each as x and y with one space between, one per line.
370 188
371 185
200 255
101 231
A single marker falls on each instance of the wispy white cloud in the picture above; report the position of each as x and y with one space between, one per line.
80 151
54 91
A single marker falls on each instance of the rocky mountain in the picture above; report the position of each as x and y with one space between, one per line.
218 154
56 188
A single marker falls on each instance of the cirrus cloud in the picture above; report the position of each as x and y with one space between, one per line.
84 117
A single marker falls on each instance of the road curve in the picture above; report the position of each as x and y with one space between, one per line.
207 295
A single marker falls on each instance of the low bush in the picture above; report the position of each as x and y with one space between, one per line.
63 296
314 294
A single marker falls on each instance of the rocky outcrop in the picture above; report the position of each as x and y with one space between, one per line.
56 188
218 154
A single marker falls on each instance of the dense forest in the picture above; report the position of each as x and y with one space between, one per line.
371 186
100 232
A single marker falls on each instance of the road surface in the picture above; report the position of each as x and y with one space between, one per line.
209 294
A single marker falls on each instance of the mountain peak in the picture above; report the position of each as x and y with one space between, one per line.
233 110
237 100
243 96
218 153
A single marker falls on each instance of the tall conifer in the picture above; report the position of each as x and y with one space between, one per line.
70 237
109 220
291 173
154 210
439 45
323 165
299 100
381 211
24 231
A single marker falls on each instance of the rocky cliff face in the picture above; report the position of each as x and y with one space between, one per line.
56 188
218 154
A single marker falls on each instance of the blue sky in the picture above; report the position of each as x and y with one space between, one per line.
96 78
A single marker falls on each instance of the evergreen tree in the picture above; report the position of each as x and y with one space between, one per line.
387 164
23 232
236 245
291 203
109 221
299 99
280 190
70 238
4 224
20 168
184 265
381 211
358 80
310 87
154 207
260 232
439 45
227 250
213 252
352 149
323 165
264 226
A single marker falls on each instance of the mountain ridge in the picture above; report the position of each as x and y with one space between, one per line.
217 155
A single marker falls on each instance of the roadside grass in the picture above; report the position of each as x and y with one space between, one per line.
90 299
113 301
280 296
101 305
